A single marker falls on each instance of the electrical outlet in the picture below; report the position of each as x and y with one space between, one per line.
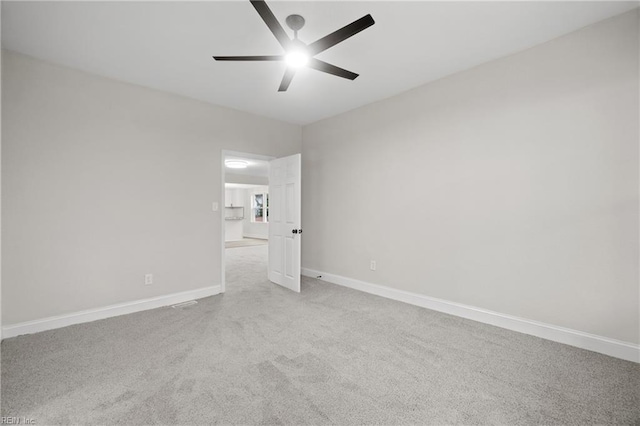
214 206
373 265
148 279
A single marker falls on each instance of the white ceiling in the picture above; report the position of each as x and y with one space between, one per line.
168 45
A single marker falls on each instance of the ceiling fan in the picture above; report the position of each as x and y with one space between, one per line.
298 54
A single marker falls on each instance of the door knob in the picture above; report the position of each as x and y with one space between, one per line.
294 231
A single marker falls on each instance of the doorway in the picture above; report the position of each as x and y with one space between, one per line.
245 217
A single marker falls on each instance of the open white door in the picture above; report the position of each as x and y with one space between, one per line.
284 221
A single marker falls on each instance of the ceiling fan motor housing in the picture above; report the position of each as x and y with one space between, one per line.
295 22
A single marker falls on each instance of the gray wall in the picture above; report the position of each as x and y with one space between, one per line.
103 182
0 189
512 186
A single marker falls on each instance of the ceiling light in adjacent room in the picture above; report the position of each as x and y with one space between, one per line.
236 164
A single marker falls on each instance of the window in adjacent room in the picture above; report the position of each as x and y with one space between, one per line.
260 207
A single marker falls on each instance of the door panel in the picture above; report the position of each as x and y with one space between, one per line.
277 255
288 254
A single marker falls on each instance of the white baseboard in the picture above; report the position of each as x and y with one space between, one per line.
592 342
89 315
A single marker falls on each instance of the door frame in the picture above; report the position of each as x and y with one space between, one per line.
223 174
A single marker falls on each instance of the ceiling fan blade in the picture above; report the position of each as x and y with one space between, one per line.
319 65
269 18
250 58
340 35
286 79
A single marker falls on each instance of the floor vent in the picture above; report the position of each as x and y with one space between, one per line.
184 304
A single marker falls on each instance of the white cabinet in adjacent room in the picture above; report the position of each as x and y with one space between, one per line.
234 197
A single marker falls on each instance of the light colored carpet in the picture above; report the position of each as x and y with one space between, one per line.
246 242
260 354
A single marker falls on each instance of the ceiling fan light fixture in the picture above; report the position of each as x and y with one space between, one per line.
297 59
236 164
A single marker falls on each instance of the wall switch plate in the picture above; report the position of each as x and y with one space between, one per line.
214 206
373 265
148 279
